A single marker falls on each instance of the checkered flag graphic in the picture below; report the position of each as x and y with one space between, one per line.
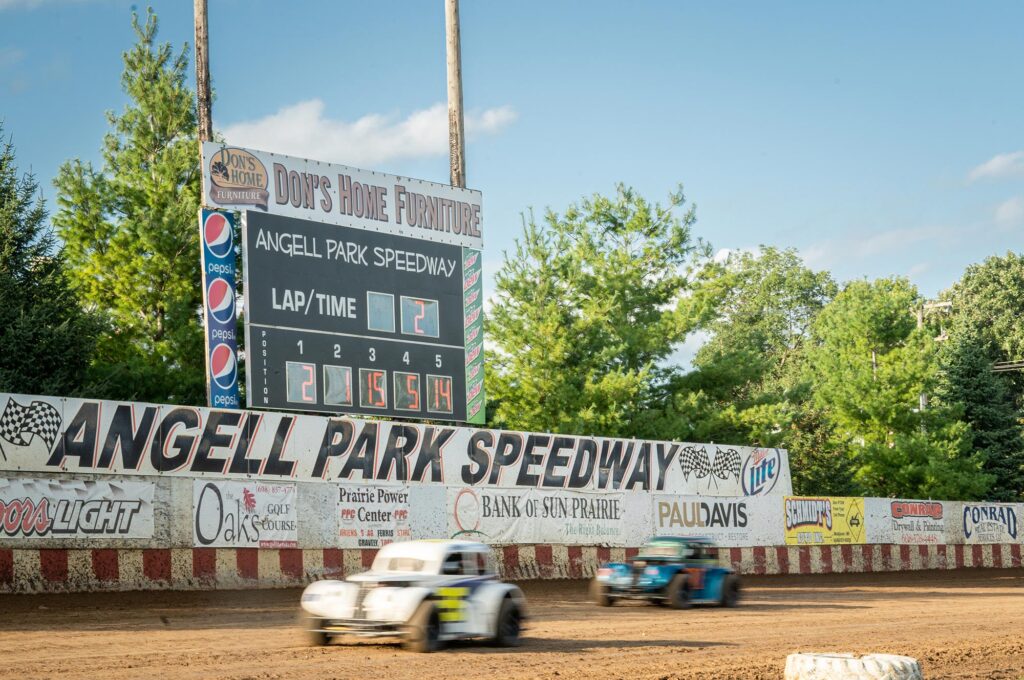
727 464
18 424
694 461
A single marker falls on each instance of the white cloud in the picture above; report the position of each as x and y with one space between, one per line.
1001 165
885 243
1010 213
303 130
918 269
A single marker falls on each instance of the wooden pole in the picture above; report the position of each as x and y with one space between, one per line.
204 105
456 134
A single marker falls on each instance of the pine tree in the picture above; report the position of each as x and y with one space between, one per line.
131 231
988 407
46 338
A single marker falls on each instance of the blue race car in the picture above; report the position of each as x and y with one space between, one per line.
671 571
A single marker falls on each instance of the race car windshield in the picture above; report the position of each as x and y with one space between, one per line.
660 551
401 564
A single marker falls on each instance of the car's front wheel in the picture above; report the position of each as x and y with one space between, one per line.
730 591
599 592
423 632
315 634
679 592
509 625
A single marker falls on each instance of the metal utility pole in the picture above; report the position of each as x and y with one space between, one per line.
456 134
921 312
204 104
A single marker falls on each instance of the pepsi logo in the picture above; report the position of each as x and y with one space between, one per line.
217 234
220 300
223 366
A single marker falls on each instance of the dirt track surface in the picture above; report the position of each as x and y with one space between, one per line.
959 625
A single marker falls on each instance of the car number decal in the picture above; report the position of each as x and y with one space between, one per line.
452 604
696 577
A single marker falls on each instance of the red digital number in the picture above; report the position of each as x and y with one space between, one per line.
310 381
439 394
375 388
419 317
413 390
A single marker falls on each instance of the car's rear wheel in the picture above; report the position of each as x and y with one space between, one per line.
730 591
315 634
423 632
600 594
678 592
509 625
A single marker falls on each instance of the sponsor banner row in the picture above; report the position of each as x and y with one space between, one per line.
253 513
71 436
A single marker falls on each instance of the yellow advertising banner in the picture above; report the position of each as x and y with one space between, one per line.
823 520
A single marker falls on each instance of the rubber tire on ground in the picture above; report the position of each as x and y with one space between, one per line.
730 590
316 638
599 593
850 667
678 592
509 625
422 633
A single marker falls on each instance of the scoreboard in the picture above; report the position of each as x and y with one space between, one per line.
342 319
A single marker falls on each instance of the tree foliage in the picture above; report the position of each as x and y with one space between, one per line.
46 338
131 234
585 310
748 384
870 365
988 408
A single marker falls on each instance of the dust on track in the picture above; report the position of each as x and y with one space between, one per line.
964 624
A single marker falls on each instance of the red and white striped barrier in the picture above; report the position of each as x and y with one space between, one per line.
58 569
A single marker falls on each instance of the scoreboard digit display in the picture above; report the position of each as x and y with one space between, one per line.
350 320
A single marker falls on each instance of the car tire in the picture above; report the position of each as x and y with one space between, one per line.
730 591
509 625
423 632
315 634
850 667
599 593
679 592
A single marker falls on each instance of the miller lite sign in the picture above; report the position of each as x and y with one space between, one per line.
218 255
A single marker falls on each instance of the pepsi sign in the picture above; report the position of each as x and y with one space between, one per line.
220 301
217 236
224 367
218 259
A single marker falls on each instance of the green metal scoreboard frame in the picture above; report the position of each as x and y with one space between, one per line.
362 291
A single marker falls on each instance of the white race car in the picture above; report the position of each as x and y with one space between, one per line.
424 592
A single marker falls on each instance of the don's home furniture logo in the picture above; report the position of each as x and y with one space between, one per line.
238 178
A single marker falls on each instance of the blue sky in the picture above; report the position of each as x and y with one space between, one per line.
877 138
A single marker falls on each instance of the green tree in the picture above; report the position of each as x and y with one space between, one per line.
131 232
46 338
585 310
989 297
968 381
870 364
748 385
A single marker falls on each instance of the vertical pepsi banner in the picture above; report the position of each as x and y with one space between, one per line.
217 234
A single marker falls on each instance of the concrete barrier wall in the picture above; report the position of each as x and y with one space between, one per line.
68 570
